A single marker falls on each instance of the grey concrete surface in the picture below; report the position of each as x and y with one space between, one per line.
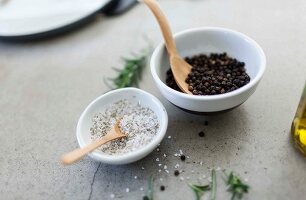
44 87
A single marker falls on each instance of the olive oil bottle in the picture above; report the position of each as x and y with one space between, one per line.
298 128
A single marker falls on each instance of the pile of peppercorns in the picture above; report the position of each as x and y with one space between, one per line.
213 74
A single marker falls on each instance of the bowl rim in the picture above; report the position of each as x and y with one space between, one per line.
134 155
246 87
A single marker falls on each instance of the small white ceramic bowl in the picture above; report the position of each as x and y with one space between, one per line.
210 40
99 104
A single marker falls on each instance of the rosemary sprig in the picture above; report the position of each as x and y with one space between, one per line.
149 194
199 190
131 72
213 185
236 186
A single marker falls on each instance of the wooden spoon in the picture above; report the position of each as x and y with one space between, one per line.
180 68
77 154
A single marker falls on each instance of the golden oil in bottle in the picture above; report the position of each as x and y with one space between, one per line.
298 128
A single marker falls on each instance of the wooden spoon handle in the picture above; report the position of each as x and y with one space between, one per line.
164 25
77 154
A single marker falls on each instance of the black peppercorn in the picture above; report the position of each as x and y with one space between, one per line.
176 173
183 158
213 74
145 198
202 134
162 188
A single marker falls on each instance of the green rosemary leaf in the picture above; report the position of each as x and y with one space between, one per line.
236 186
150 188
213 185
131 72
199 190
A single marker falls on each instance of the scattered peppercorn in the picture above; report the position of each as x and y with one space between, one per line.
202 134
213 74
145 198
162 188
206 123
176 172
183 158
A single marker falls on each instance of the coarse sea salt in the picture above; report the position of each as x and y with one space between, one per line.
139 123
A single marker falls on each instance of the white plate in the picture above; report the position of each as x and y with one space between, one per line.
29 17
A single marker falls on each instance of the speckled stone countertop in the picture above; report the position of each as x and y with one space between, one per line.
45 85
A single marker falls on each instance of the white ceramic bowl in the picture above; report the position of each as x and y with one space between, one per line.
99 104
210 40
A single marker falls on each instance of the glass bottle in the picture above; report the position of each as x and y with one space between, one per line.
298 128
